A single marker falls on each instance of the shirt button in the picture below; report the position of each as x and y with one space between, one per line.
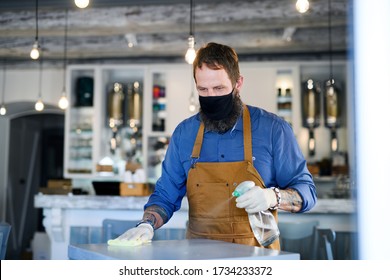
222 156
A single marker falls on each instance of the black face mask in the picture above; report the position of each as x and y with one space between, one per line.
217 107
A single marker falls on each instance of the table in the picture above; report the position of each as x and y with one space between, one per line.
188 249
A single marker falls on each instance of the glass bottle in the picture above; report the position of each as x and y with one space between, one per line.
115 105
134 104
311 104
331 104
263 223
332 111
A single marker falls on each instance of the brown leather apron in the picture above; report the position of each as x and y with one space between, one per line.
212 208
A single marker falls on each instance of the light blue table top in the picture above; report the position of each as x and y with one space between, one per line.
194 249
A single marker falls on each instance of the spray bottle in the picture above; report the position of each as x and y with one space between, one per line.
263 223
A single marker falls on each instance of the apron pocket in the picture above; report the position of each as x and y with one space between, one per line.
210 200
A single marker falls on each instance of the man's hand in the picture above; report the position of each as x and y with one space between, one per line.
256 199
134 236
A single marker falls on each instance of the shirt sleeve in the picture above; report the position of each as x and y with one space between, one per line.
170 187
290 165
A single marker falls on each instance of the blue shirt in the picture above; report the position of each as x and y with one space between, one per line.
275 151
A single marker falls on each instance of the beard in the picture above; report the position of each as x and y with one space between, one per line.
221 126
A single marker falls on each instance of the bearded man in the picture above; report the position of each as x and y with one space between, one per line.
226 143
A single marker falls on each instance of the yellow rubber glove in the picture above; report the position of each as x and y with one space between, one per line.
134 236
256 199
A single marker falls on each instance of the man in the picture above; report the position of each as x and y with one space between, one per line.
226 143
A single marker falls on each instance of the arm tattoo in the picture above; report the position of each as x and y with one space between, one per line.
156 215
291 200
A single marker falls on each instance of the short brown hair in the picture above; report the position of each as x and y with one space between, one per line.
217 56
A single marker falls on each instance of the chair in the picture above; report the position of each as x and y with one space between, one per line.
170 234
85 235
113 228
298 237
324 244
5 229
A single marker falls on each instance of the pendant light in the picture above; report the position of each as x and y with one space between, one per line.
191 53
34 54
192 106
63 103
39 106
302 6
332 93
81 3
3 110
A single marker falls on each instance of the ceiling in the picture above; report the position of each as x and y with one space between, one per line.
257 29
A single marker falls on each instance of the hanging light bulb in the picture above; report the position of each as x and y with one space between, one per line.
63 103
191 53
81 3
192 106
39 106
3 110
302 6
192 100
34 54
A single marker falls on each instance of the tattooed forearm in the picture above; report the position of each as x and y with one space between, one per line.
291 200
156 215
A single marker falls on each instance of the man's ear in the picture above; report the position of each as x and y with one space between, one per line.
239 82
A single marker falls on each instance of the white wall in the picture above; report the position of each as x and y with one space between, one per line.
23 85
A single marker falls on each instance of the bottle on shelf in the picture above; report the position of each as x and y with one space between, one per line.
134 104
159 106
80 140
332 111
311 111
115 105
331 104
311 104
84 91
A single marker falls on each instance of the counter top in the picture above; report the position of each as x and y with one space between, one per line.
335 205
89 201
194 249
330 206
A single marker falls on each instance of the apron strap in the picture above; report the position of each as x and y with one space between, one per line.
247 135
198 142
247 138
